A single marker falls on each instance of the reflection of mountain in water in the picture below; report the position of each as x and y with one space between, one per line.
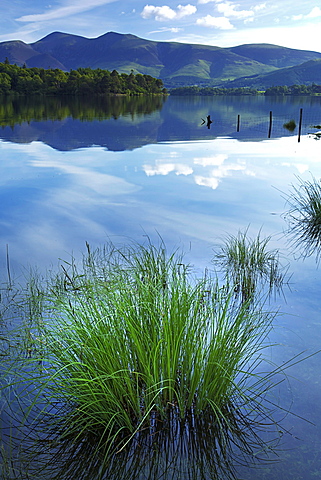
126 123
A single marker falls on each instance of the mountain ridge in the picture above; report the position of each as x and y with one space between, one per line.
175 63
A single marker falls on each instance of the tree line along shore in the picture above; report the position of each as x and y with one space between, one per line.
275 90
86 81
83 81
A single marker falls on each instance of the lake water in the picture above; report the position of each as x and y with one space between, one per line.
77 171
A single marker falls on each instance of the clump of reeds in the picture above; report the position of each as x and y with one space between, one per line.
131 345
142 337
248 265
304 217
290 125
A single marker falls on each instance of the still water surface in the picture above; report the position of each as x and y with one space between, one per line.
86 171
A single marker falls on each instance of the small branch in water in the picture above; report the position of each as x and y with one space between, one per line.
208 121
8 265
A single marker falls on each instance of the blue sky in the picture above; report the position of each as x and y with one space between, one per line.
223 23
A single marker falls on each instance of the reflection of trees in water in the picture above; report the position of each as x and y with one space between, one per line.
244 118
15 110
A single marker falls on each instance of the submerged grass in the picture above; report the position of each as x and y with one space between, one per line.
131 345
249 266
304 217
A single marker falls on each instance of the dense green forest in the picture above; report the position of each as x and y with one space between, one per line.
279 90
83 81
195 90
294 90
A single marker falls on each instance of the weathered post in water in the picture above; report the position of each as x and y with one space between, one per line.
270 126
300 125
238 123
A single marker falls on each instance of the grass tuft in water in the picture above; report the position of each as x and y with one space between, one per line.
136 336
304 218
132 344
249 266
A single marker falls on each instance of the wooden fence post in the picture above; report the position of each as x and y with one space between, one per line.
270 126
300 125
238 123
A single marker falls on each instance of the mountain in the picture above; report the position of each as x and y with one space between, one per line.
304 74
175 63
279 57
21 53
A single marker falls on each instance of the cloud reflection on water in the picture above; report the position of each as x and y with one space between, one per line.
56 201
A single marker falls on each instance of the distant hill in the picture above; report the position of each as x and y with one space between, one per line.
279 57
304 74
175 63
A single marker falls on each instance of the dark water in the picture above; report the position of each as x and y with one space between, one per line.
120 124
76 171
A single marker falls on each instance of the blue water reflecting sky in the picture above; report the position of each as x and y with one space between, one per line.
53 201
191 193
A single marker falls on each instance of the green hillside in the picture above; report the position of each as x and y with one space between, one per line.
279 57
304 74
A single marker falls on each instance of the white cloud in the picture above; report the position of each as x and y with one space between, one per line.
211 182
302 167
185 10
228 10
214 160
167 29
161 14
166 168
222 23
165 12
86 178
72 8
291 36
216 175
259 7
208 1
315 12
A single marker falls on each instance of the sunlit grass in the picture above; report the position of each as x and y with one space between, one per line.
142 336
